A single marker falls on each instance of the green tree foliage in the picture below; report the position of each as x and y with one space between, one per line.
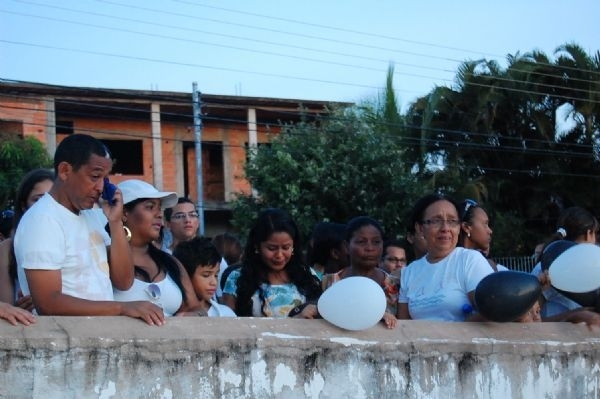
496 129
17 157
492 137
331 169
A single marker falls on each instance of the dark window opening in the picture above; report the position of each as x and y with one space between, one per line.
213 179
11 128
64 127
127 156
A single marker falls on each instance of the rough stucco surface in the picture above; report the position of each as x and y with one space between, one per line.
119 357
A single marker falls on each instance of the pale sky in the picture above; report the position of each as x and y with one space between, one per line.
336 50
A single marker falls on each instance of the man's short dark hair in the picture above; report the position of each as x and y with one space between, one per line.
77 149
181 200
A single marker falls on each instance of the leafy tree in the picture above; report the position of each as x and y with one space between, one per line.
17 157
495 133
332 169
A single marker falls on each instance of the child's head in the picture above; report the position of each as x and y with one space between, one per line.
532 315
201 260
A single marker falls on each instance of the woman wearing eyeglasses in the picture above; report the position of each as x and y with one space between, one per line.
440 285
158 276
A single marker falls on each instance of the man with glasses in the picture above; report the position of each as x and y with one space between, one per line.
183 222
394 256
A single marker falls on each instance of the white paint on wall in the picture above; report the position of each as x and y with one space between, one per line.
284 376
314 387
284 336
347 341
261 384
108 392
229 377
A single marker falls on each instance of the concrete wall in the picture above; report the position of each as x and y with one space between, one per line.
119 357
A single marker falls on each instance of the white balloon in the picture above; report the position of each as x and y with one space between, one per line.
354 303
577 269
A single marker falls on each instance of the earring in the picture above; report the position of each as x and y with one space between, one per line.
256 250
469 235
127 233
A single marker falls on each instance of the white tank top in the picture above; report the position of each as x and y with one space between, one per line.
170 295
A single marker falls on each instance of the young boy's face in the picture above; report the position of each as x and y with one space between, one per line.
205 281
533 315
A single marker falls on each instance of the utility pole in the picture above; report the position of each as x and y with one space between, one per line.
198 145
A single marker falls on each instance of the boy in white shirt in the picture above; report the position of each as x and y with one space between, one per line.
202 261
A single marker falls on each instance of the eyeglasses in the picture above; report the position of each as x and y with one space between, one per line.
7 214
469 203
395 260
438 223
183 215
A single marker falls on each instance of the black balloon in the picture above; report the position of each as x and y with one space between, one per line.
553 251
591 298
506 296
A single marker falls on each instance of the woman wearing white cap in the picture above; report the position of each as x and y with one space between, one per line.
158 276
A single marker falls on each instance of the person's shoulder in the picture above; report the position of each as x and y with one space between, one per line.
468 253
233 273
220 310
537 270
46 208
5 248
6 245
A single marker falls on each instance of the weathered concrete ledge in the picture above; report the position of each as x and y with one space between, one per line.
119 357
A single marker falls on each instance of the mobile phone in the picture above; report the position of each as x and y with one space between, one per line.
108 192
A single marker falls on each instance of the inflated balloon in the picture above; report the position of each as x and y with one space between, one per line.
553 251
577 269
506 296
591 298
354 303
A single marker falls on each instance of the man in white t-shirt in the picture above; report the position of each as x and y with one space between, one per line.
61 250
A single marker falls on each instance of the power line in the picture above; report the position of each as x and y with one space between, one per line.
195 30
517 149
258 51
287 76
187 64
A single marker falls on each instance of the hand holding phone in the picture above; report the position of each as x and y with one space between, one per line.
108 192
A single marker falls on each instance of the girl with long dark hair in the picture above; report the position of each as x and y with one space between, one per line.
273 280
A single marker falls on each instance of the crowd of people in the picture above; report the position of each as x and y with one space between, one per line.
138 254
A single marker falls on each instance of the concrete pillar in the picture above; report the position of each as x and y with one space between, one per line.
227 167
50 130
252 136
157 169
179 155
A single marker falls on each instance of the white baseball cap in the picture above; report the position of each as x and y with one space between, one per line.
137 189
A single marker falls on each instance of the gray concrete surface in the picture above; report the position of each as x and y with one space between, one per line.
119 357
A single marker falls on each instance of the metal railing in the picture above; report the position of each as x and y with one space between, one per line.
518 263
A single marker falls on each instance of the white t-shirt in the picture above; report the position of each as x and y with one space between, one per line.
438 291
218 310
51 237
170 295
